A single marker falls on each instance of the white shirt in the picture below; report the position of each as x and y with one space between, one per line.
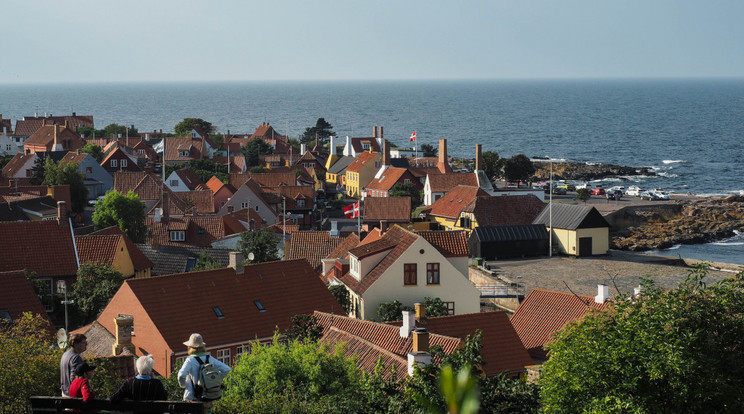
189 373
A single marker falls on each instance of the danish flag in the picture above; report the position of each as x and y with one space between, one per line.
413 137
352 210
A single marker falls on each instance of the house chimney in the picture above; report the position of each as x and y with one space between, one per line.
385 153
334 229
374 131
236 262
420 311
383 226
303 148
381 132
478 158
56 133
347 148
603 293
166 207
332 147
637 291
158 215
442 164
124 328
74 114
409 324
420 356
61 212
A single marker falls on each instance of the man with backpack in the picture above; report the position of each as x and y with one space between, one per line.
201 375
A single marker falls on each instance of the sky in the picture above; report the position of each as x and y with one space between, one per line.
73 41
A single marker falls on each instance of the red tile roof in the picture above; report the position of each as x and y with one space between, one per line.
284 288
362 160
312 246
452 203
44 136
14 166
139 259
387 180
449 243
215 184
189 178
445 182
505 210
545 311
392 209
200 231
17 296
174 145
98 249
43 247
272 179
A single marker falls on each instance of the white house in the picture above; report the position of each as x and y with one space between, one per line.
8 145
249 195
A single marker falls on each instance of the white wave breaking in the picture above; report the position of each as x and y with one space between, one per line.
672 161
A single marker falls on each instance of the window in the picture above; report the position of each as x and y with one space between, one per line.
123 163
183 153
406 180
190 263
7 147
409 274
181 360
259 305
244 204
450 307
465 222
113 163
300 203
173 183
432 273
223 355
88 170
177 235
5 314
257 208
242 349
220 315
365 145
141 151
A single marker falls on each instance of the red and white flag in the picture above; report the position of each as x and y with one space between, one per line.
413 137
352 210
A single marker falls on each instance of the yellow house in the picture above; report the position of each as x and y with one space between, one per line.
447 210
408 267
112 248
361 172
336 170
576 230
505 210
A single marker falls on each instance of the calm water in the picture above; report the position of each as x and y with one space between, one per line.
690 131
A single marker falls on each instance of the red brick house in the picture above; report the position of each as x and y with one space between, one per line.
53 138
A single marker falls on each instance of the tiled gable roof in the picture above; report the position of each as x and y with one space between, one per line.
359 143
174 145
445 182
312 246
215 184
98 249
74 158
452 203
202 200
339 167
382 336
14 166
394 209
124 181
189 178
348 243
43 247
27 126
139 260
362 160
45 136
285 288
200 230
543 312
387 180
449 243
505 210
265 130
17 296
272 179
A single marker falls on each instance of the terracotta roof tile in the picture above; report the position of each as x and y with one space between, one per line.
393 209
98 249
312 246
449 243
14 166
446 182
359 143
387 180
545 311
139 259
17 296
452 203
272 179
195 148
43 247
202 200
45 136
362 160
343 248
189 178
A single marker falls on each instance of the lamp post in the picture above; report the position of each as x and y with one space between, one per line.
550 210
62 288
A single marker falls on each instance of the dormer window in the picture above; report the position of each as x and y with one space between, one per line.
365 145
183 153
300 203
355 267
177 235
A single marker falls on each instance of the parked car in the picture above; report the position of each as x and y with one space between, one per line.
648 195
634 190
661 195
561 185
598 190
559 190
617 188
614 195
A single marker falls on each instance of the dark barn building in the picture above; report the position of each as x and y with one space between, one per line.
501 242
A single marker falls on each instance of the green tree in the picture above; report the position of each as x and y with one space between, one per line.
67 174
253 151
38 171
435 307
341 293
582 194
262 243
405 190
322 128
428 150
4 160
30 361
205 169
518 168
304 328
94 150
94 288
391 311
184 127
124 211
492 164
113 130
206 262
661 352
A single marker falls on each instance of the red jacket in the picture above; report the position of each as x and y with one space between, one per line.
80 387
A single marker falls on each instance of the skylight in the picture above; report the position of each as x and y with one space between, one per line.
218 312
259 305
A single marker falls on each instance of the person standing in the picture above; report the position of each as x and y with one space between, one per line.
189 373
143 386
80 386
71 360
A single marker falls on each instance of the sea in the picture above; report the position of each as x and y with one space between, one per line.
689 131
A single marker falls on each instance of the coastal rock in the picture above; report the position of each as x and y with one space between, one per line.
699 221
577 171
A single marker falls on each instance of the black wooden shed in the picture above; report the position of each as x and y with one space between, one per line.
501 242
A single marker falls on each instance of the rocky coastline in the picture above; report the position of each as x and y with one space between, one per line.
700 220
585 172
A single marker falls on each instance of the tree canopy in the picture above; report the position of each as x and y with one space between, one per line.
95 286
94 150
124 211
428 150
67 174
492 164
254 149
262 243
406 190
322 128
661 352
205 262
583 194
184 127
110 130
518 168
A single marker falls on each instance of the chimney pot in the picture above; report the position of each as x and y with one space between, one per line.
236 262
603 293
409 324
61 212
420 340
374 131
420 311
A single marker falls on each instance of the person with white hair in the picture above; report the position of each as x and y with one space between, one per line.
142 387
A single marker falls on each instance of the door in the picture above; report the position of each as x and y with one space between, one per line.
585 246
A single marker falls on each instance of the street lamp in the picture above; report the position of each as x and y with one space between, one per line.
550 209
62 288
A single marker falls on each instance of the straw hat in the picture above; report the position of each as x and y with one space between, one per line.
195 341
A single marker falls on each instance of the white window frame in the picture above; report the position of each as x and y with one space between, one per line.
114 163
301 203
244 204
123 163
177 235
223 355
174 183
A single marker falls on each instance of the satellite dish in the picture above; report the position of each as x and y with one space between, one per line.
251 256
62 338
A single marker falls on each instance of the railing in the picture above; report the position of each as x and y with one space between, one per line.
41 404
496 292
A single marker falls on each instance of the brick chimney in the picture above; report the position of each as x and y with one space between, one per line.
61 213
236 262
420 356
385 153
124 329
381 136
166 207
420 311
478 157
443 164
374 131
